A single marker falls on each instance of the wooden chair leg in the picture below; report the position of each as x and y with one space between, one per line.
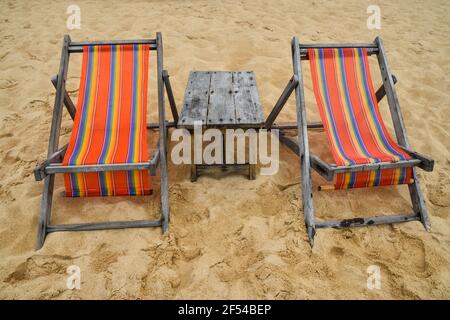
193 172
303 145
46 209
418 202
252 171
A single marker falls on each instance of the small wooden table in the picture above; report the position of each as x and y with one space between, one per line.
224 100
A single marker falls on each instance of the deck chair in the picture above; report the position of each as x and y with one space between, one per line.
107 152
365 153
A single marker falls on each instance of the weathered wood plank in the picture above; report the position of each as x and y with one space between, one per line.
293 125
303 144
227 96
290 143
78 46
195 100
169 124
381 92
104 225
70 106
54 168
371 48
426 164
221 110
246 98
165 210
338 45
46 210
173 105
367 221
293 82
112 42
47 194
321 167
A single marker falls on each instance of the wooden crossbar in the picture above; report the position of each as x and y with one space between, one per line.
77 47
367 221
371 45
103 225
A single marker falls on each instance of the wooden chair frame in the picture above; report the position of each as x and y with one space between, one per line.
308 160
46 171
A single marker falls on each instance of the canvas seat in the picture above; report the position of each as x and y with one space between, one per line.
364 152
107 154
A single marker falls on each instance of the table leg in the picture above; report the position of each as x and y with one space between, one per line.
193 165
193 172
252 171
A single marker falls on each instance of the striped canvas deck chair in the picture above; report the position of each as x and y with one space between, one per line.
364 152
107 153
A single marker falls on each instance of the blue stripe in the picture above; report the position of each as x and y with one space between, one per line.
130 180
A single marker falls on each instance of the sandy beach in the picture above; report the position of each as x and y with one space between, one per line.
229 237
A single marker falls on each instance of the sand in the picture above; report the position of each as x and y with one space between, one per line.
229 237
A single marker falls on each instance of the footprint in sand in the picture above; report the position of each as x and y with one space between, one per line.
4 55
103 257
439 192
413 251
273 283
245 24
272 39
40 104
39 266
12 118
6 135
7 83
337 252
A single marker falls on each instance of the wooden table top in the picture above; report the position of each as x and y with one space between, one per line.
227 99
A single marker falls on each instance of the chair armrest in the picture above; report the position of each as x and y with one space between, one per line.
426 163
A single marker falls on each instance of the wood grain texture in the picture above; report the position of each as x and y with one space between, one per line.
226 99
221 108
195 102
246 98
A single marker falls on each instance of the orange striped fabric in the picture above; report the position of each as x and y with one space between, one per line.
110 123
349 110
